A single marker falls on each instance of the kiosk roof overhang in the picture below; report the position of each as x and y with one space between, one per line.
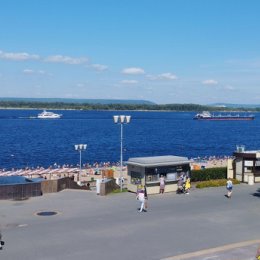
248 154
156 161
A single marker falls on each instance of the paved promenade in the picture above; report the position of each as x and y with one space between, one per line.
201 226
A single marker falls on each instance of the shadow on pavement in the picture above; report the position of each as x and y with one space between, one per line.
257 193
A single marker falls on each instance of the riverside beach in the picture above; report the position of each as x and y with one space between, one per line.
57 171
87 226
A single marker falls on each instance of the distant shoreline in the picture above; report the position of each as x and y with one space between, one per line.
131 110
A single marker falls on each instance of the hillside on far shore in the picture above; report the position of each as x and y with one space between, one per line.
117 104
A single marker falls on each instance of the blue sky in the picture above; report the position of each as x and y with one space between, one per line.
166 51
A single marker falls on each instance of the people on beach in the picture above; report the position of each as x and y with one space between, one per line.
229 187
162 184
141 198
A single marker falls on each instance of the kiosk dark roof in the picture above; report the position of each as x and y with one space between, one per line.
158 161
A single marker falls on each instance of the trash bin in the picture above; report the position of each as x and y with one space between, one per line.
250 179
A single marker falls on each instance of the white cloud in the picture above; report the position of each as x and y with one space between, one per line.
18 56
163 76
151 77
80 85
229 87
129 81
133 71
99 67
209 82
35 72
28 71
66 59
167 76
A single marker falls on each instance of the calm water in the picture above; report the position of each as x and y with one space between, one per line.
32 142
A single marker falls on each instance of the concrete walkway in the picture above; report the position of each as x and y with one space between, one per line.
93 227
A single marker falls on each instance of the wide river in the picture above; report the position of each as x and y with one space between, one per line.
43 142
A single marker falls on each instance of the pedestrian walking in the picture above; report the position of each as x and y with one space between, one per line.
229 187
162 184
258 253
145 199
140 197
180 186
187 186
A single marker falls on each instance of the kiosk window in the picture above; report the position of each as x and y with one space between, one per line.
170 173
151 174
171 176
152 177
135 177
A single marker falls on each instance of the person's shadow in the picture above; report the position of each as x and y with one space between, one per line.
1 242
257 193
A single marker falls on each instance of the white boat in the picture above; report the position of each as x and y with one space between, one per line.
46 114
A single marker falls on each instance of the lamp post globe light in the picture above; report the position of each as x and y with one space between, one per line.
121 119
80 148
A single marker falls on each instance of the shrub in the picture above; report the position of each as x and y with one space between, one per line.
209 174
215 183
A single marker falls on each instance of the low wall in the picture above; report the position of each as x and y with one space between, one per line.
107 187
170 187
154 188
49 186
20 191
33 189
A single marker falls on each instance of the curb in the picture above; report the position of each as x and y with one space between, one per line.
212 250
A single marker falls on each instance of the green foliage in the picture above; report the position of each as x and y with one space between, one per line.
119 191
215 183
209 174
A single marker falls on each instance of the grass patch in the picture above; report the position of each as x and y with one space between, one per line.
119 191
215 183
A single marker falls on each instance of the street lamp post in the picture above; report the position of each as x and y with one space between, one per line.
121 119
80 148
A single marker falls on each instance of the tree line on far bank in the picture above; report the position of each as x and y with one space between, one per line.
148 107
